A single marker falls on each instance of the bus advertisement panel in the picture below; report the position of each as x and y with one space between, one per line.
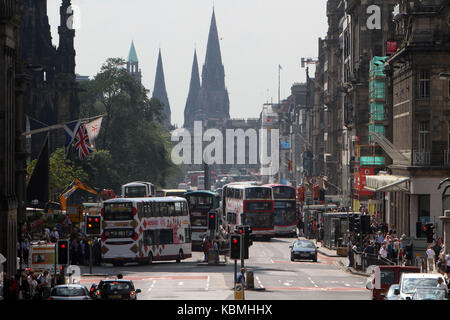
145 230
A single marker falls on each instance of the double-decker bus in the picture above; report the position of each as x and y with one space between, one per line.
171 192
200 204
285 202
251 205
138 189
145 230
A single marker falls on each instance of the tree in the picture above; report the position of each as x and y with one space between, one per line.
132 144
62 173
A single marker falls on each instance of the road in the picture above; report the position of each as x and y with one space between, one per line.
275 277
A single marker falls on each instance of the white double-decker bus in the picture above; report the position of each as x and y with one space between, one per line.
138 189
145 230
250 205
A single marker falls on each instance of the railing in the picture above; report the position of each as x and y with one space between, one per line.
421 157
7 8
447 157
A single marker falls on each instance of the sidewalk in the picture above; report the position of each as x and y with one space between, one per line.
342 263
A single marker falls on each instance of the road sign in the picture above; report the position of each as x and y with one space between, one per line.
239 292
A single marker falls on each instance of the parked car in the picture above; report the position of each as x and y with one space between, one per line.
409 282
430 294
119 289
69 292
391 293
383 277
303 249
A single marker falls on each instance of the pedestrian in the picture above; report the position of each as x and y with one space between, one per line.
24 288
442 285
396 250
437 249
447 263
54 235
430 258
46 284
34 287
350 253
383 251
216 251
241 278
441 264
204 247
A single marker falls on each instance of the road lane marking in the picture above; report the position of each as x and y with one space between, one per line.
151 287
313 289
207 284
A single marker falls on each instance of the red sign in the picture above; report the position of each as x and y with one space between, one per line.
391 47
360 180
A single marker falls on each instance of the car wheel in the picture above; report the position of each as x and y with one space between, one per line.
292 259
315 259
180 256
150 258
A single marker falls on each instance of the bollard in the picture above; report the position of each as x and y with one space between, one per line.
250 279
239 292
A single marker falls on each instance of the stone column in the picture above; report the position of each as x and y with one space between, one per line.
446 228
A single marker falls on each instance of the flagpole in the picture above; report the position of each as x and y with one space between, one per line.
57 126
279 81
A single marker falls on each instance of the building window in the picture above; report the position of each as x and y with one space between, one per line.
424 84
424 134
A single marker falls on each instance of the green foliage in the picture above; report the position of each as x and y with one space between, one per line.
62 173
132 143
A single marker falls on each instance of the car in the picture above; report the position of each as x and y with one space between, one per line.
69 292
428 293
390 295
303 249
410 281
116 289
383 277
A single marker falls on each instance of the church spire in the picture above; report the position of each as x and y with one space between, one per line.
133 63
160 92
213 74
192 100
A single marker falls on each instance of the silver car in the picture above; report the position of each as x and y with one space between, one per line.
69 292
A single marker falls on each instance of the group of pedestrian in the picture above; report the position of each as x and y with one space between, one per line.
207 246
28 286
79 252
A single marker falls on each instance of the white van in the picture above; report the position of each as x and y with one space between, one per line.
410 281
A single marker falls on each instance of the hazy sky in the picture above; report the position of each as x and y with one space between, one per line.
256 37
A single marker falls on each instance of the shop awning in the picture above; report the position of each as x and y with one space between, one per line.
387 182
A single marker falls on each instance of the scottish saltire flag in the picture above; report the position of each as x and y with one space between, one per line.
71 129
82 142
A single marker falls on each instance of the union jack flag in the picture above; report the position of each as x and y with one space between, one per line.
82 142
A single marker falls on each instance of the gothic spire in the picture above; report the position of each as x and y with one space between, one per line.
194 89
133 63
213 75
160 92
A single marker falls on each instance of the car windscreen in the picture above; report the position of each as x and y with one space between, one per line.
429 294
304 244
116 286
68 292
409 285
387 276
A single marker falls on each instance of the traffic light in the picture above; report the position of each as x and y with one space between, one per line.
357 225
429 232
351 224
365 224
245 232
235 246
212 220
63 252
93 225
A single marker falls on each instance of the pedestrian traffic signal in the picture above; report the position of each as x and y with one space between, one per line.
429 232
365 224
245 232
63 252
212 220
235 246
93 225
357 226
